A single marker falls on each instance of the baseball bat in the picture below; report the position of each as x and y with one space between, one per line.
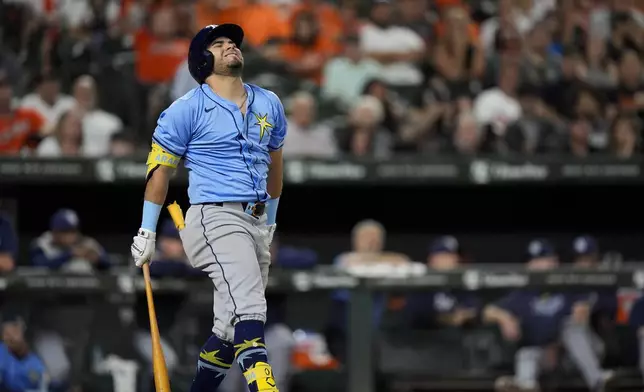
161 379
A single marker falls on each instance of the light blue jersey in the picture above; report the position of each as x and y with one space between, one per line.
226 153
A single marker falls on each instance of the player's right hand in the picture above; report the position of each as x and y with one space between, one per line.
143 246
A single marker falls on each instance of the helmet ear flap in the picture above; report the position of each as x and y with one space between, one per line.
207 65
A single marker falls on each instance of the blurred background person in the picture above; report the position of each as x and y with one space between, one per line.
548 318
451 308
363 135
398 49
20 128
65 247
8 245
307 137
66 139
48 100
345 76
98 125
20 369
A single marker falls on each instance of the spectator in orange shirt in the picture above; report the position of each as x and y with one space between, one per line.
328 16
209 12
159 52
19 128
308 50
262 21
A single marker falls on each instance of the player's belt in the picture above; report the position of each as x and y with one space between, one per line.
253 209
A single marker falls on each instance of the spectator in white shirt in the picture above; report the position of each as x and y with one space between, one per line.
498 106
396 48
345 76
67 139
306 137
98 125
48 101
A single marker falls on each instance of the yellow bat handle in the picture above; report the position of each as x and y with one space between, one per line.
177 215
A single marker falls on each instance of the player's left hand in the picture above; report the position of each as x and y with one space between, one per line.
143 247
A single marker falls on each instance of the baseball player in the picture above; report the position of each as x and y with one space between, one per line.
230 136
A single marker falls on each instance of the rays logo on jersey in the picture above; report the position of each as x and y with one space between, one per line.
262 121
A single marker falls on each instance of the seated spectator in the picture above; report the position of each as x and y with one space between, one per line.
65 247
66 140
308 49
560 95
122 144
629 94
601 72
393 111
498 106
368 250
20 369
98 125
512 16
345 76
328 15
48 101
306 137
537 131
539 322
416 15
467 137
8 246
363 136
457 56
398 49
539 64
158 50
21 128
443 308
579 138
625 136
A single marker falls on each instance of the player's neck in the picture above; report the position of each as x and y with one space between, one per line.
227 87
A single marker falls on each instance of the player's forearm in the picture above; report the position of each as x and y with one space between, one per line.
275 180
274 185
494 314
6 262
156 191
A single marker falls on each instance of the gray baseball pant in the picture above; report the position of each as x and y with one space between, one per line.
582 347
232 247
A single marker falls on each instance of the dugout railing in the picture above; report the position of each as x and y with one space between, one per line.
364 363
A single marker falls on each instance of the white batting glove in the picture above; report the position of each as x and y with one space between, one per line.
143 247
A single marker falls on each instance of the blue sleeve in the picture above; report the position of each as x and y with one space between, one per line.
40 259
174 127
8 240
279 131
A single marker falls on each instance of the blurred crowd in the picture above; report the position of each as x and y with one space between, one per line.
358 78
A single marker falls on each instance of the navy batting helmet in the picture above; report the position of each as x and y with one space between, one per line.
200 61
